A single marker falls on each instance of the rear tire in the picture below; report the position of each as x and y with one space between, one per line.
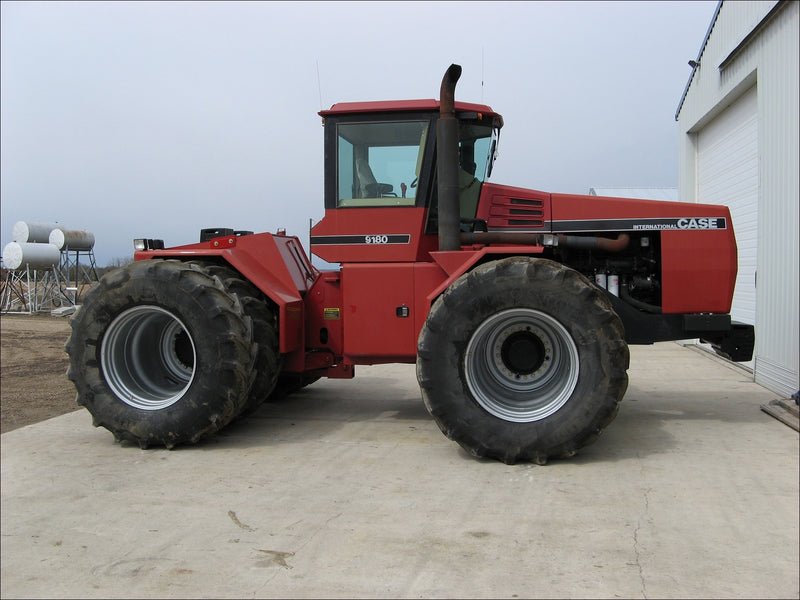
522 359
160 354
265 333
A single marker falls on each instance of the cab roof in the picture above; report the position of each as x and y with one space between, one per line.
344 108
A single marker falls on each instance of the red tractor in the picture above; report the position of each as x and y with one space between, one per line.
516 305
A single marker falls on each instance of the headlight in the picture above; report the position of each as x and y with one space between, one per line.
148 244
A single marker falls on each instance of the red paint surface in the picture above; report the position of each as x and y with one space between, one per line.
425 105
698 270
277 265
506 208
698 267
374 221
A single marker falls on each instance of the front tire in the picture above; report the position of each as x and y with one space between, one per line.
160 354
522 359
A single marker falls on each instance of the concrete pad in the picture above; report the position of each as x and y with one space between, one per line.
348 489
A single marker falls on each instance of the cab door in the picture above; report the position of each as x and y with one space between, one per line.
376 175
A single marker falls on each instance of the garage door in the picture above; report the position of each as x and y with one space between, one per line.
727 173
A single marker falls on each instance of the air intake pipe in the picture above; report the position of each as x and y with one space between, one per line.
447 162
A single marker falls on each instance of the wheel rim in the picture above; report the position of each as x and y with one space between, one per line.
521 365
148 358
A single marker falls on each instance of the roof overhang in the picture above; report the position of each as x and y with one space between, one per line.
393 106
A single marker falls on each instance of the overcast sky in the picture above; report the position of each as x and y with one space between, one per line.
160 119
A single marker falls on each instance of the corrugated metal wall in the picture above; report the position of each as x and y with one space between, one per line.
770 61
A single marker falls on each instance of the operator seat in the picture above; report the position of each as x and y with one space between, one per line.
365 178
368 185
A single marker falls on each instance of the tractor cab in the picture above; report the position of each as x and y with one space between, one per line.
381 200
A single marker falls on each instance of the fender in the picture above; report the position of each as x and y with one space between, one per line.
456 263
275 264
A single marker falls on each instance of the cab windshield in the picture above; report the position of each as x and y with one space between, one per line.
476 150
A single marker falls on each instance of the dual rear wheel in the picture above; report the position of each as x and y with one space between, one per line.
165 352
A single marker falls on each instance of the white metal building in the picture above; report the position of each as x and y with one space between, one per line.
739 122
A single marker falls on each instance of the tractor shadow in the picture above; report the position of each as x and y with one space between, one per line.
658 421
643 427
323 408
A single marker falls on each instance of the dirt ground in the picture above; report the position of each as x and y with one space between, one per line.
33 366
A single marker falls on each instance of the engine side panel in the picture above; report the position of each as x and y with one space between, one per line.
698 271
506 208
697 263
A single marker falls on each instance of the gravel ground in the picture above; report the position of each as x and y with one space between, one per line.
33 366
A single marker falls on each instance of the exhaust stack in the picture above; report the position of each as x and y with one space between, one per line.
447 162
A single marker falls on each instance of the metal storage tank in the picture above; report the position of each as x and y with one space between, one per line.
739 123
38 233
37 256
71 239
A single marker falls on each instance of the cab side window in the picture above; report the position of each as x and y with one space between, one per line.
378 164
